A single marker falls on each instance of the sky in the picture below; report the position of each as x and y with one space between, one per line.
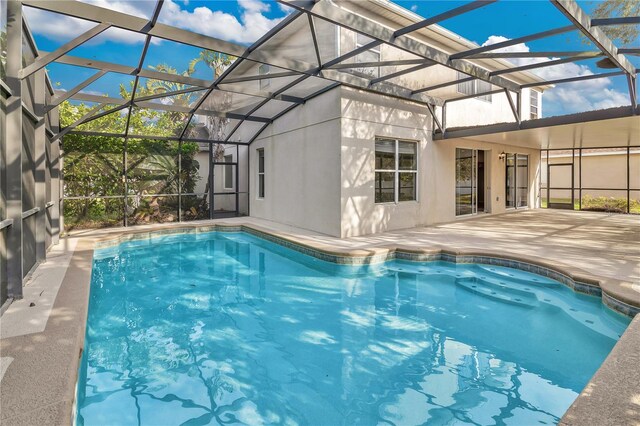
244 21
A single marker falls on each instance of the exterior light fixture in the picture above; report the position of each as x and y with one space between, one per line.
502 156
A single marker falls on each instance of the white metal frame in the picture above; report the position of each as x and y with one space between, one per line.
261 174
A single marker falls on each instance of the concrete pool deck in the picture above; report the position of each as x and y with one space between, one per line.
41 345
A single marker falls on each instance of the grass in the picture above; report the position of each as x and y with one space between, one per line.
599 204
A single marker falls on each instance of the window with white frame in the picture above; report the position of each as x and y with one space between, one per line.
473 87
264 69
371 55
261 173
534 104
228 172
396 171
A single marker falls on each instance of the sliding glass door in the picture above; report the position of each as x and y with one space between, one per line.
466 181
517 180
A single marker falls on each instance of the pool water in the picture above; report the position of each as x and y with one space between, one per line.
221 328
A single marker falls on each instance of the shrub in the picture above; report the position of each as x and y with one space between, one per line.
608 204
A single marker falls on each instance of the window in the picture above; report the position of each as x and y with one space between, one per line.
474 87
264 69
371 55
261 173
228 172
534 101
396 171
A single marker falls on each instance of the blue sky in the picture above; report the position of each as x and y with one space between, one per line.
243 21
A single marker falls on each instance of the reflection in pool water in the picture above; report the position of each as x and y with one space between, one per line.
228 328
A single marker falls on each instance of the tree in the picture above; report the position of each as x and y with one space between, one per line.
214 126
96 169
94 166
624 34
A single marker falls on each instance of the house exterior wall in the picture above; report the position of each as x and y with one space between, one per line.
366 116
302 167
320 157
320 167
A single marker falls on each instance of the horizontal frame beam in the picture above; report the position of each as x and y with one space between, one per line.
513 42
63 96
476 4
401 72
334 14
547 54
377 64
624 20
545 64
445 84
150 137
475 95
572 79
603 114
43 61
582 22
94 13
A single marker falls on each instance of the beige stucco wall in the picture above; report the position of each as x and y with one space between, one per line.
320 167
302 167
366 116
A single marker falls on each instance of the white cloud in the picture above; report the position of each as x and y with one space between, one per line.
254 5
248 27
567 98
251 25
414 8
64 28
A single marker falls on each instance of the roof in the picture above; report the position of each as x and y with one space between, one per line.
240 102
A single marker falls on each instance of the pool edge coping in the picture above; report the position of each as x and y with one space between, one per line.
578 280
60 407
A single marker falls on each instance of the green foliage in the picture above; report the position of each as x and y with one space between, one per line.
609 204
216 61
97 168
3 54
624 34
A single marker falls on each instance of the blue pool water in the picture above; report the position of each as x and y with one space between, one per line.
228 328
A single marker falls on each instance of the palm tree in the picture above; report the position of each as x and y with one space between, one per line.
215 126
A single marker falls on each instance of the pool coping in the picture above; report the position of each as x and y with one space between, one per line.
615 294
51 401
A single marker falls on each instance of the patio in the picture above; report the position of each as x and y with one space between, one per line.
378 129
52 332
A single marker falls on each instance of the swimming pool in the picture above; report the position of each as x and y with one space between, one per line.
225 327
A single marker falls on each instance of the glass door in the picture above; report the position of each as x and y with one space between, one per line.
510 176
466 181
522 181
517 180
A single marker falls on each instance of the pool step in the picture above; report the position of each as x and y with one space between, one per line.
489 272
499 292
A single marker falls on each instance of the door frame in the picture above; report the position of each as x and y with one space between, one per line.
474 182
564 206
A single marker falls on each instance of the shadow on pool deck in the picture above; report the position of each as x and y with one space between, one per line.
39 383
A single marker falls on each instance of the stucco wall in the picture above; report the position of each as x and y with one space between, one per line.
366 116
302 167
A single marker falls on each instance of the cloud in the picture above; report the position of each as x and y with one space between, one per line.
567 98
414 7
250 25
